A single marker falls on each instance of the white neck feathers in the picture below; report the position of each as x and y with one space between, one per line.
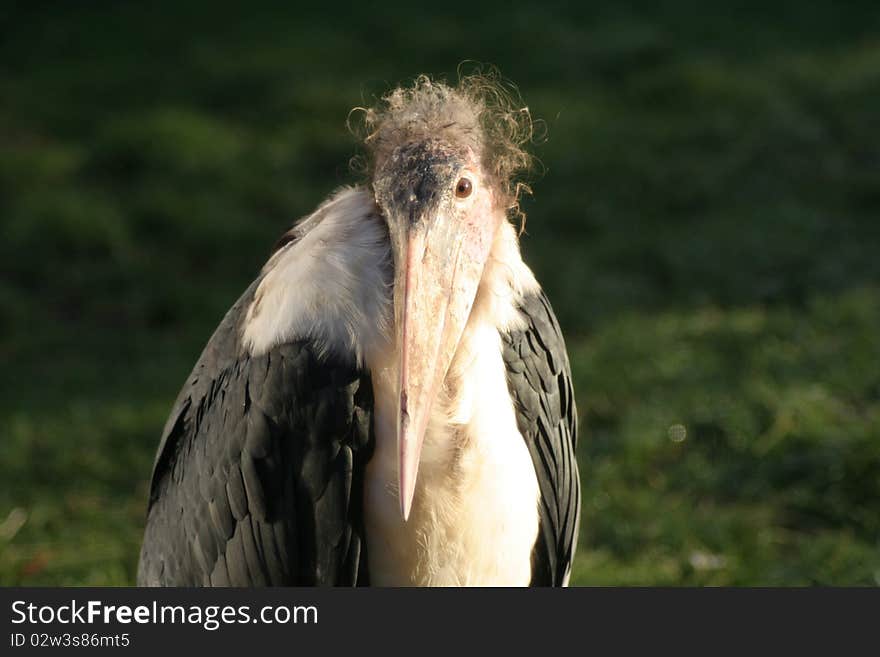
333 282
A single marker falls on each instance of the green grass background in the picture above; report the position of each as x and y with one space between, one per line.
706 225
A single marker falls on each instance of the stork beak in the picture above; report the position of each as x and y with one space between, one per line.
440 263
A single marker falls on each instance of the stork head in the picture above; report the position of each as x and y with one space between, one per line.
442 165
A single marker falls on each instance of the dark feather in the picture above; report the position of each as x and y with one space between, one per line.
258 476
539 380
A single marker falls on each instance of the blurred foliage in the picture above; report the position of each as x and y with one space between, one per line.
706 224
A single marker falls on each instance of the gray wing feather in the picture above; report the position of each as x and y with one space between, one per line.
257 476
539 380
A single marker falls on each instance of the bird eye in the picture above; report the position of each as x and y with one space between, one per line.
463 188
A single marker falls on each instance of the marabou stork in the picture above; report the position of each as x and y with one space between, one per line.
390 401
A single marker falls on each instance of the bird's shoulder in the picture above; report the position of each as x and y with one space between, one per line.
256 448
285 384
314 302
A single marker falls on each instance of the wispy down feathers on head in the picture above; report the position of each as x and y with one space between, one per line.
482 112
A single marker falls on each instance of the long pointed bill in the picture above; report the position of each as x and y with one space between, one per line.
440 266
